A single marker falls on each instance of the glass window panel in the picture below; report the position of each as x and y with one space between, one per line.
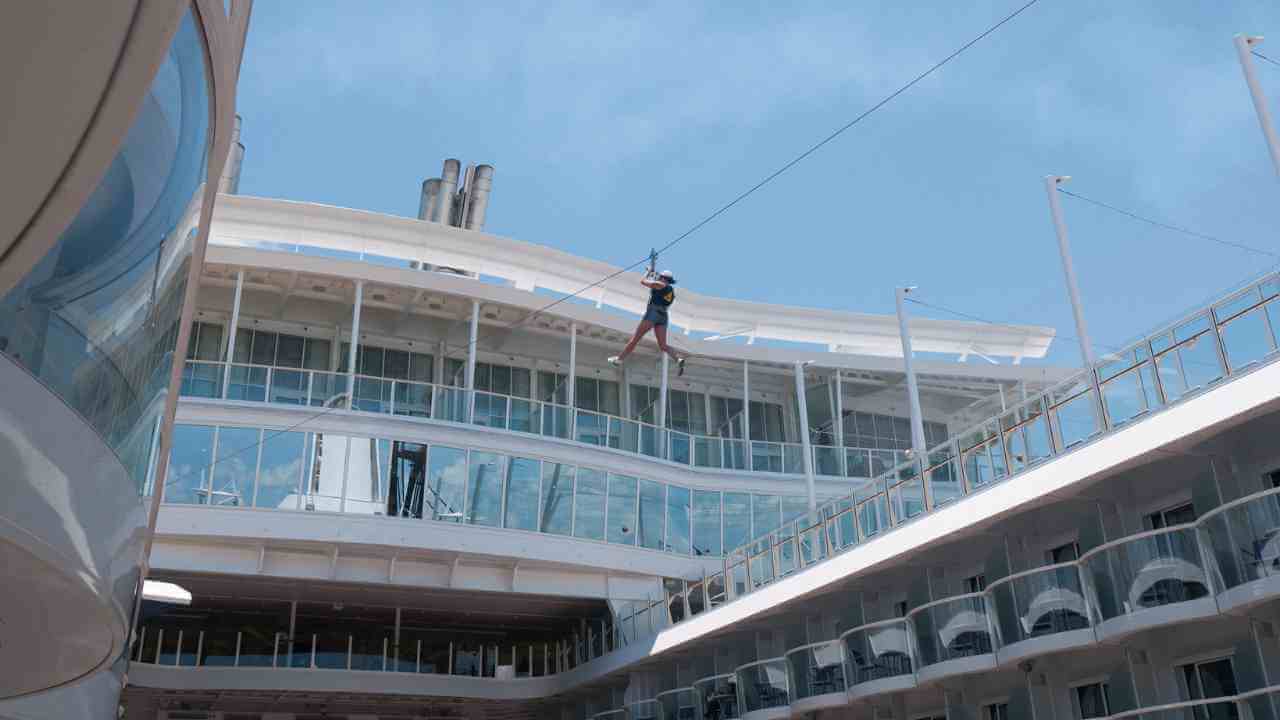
557 498
552 387
609 396
234 466
289 351
585 394
622 510
315 355
484 488
209 346
344 356
371 360
280 470
447 470
653 510
409 488
706 523
765 512
794 508
500 379
677 520
244 345
264 348
522 494
189 461
520 382
396 364
589 504
774 427
737 520
421 367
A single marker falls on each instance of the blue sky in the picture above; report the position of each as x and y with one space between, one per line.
614 127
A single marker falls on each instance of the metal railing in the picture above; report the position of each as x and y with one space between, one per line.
1200 351
407 398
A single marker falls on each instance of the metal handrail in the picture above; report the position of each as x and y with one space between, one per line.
944 601
1138 536
1044 407
1033 571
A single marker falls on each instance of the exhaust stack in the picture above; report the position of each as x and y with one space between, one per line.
458 198
478 197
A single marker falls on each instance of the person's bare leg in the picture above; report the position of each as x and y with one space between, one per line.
644 327
660 332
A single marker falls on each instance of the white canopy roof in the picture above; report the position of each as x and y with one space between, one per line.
250 220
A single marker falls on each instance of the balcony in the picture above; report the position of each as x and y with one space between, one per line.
1149 579
1040 611
680 704
405 398
718 697
879 658
1260 703
1242 539
645 710
763 690
953 636
817 676
1208 349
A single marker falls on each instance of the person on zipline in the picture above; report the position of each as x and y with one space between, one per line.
661 295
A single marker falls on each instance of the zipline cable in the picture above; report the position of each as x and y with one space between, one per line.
653 255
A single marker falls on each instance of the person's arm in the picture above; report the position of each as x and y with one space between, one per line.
654 284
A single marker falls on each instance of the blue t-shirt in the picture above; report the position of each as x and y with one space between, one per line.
662 297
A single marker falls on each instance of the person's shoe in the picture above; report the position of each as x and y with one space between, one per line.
615 361
680 367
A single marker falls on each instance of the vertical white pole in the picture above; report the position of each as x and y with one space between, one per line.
1244 44
1051 183
472 337
571 391
231 336
839 405
913 391
662 393
803 409
746 404
354 346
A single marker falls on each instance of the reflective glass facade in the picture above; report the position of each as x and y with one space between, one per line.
96 319
292 470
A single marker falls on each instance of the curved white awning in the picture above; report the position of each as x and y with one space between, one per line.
241 220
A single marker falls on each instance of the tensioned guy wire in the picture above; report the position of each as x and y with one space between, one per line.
1264 57
1167 226
723 208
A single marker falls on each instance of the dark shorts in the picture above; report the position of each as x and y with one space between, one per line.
656 315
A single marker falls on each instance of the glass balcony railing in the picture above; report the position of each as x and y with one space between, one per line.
1196 353
373 651
1260 703
1243 539
877 651
680 704
762 685
1039 602
950 629
816 669
1146 571
718 697
405 398
645 710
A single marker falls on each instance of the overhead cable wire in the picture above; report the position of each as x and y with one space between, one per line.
841 130
1264 57
723 208
1167 226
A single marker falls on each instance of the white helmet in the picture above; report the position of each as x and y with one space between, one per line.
667 274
